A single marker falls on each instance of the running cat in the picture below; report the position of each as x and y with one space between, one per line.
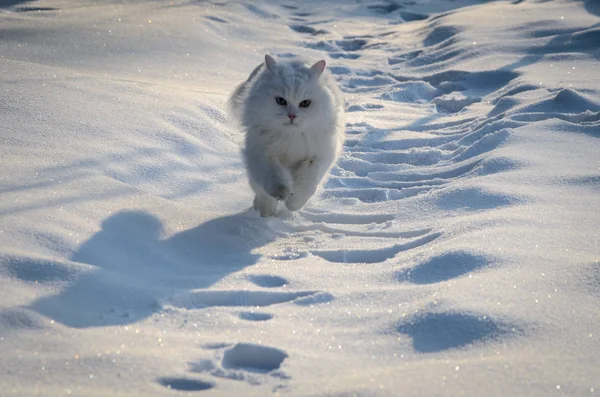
292 114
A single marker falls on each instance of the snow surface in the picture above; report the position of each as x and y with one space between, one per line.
454 249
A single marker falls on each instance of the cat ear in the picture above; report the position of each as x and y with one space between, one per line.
270 62
318 68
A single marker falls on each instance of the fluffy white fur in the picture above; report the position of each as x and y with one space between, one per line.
288 147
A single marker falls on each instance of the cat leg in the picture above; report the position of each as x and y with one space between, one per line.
307 176
265 204
267 172
278 181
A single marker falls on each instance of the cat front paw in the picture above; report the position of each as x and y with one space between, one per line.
278 189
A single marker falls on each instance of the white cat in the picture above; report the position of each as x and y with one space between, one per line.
292 114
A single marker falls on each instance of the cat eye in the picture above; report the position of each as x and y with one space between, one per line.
305 103
280 101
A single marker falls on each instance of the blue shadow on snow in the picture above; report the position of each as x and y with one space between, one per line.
443 267
133 268
435 332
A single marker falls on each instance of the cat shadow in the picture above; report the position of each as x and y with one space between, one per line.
133 269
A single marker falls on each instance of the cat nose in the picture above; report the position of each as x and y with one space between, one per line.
291 116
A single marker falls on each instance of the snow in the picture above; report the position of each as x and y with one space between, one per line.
453 250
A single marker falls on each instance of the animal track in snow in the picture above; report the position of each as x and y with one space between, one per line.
443 267
435 332
395 169
253 357
374 255
255 316
479 199
247 362
267 281
185 384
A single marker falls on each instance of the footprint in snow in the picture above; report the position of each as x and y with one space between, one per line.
267 280
444 267
185 384
436 332
255 358
374 255
247 362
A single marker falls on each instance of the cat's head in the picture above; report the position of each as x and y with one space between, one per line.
289 95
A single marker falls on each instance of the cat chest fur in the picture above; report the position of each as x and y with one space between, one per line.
292 147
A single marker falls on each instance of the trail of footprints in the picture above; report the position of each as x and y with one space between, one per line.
246 362
258 364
